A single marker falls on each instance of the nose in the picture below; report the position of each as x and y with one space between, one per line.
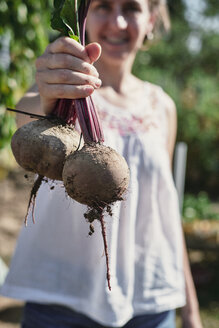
121 22
118 19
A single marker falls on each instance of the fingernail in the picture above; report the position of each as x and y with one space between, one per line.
97 83
89 89
96 73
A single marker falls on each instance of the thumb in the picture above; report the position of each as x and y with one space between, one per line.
93 51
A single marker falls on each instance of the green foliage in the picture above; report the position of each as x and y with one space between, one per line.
212 8
56 21
23 36
7 129
65 18
198 207
190 76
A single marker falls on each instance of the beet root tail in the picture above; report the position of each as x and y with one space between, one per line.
32 199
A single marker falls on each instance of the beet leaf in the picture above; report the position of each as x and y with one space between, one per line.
65 18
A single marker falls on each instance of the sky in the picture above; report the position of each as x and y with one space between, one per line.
196 18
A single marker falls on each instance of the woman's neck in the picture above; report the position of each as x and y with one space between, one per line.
117 77
119 86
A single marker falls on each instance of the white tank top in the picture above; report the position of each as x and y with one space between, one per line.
56 261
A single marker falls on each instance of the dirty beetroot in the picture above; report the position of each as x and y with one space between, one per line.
42 146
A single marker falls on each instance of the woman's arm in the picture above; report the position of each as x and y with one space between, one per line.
30 103
190 312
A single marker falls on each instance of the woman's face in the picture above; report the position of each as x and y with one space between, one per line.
119 26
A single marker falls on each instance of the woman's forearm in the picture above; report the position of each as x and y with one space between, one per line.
30 103
190 312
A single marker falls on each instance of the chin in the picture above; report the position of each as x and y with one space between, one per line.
115 58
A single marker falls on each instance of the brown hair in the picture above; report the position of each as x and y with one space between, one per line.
153 4
161 9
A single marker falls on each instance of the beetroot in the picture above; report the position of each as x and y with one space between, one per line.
42 146
96 174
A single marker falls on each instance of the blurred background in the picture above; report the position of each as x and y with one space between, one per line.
185 62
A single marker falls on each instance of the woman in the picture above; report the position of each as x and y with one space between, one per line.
57 269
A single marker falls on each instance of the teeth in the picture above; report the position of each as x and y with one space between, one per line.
115 40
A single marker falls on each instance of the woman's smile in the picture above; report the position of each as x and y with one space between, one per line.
115 40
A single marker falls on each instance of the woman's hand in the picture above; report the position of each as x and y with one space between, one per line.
65 70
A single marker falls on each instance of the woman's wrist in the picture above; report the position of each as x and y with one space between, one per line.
47 105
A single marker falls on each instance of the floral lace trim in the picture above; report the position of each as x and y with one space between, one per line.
125 122
128 124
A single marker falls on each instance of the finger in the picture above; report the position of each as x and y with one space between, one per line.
55 61
65 76
93 51
65 91
69 46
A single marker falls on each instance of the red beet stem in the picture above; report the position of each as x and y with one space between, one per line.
65 109
88 120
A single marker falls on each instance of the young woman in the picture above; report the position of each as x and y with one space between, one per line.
57 269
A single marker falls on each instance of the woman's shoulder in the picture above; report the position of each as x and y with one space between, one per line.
162 97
